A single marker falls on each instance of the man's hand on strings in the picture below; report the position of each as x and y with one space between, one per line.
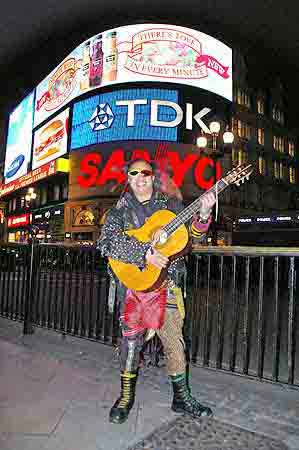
157 259
207 203
156 236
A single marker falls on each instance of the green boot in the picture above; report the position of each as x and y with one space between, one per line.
183 402
123 405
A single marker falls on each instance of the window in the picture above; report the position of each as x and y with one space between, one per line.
234 157
10 206
239 156
291 148
281 171
262 165
292 174
14 204
37 200
278 143
261 136
43 196
278 115
243 98
242 156
65 191
260 106
22 202
243 130
276 169
56 192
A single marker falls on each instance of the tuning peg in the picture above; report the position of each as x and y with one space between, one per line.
247 177
238 183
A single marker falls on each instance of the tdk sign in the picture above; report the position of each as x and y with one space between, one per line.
102 117
133 114
132 110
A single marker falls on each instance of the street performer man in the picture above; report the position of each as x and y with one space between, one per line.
161 310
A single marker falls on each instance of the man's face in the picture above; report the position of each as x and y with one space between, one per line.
141 183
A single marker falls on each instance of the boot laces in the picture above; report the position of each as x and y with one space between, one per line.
189 400
126 392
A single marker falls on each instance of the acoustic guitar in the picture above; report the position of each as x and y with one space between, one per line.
174 237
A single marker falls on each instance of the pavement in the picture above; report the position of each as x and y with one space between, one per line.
56 392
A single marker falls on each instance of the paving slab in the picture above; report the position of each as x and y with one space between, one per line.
205 434
22 442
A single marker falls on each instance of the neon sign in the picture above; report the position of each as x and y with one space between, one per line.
94 173
18 221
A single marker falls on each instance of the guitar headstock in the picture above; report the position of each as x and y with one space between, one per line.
239 174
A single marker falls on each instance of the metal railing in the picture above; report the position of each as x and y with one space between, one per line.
242 303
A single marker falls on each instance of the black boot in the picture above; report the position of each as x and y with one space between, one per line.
183 402
121 408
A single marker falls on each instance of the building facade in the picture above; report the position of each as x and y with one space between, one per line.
260 125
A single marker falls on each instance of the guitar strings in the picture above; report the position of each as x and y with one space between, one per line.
188 212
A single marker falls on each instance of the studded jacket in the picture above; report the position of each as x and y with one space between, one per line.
116 244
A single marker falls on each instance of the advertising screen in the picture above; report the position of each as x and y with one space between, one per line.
50 141
19 139
123 115
183 169
143 52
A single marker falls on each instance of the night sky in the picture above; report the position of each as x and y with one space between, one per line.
36 36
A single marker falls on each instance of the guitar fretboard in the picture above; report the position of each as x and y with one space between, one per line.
193 208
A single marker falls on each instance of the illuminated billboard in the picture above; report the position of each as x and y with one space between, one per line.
45 171
143 52
19 140
99 171
50 141
18 221
124 115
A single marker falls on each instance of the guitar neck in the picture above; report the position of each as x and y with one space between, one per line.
185 215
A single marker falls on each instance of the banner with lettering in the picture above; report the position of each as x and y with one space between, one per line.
143 52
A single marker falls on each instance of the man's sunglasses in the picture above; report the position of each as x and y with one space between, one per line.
144 172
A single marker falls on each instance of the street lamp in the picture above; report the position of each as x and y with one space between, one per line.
228 137
31 195
28 327
215 127
202 143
